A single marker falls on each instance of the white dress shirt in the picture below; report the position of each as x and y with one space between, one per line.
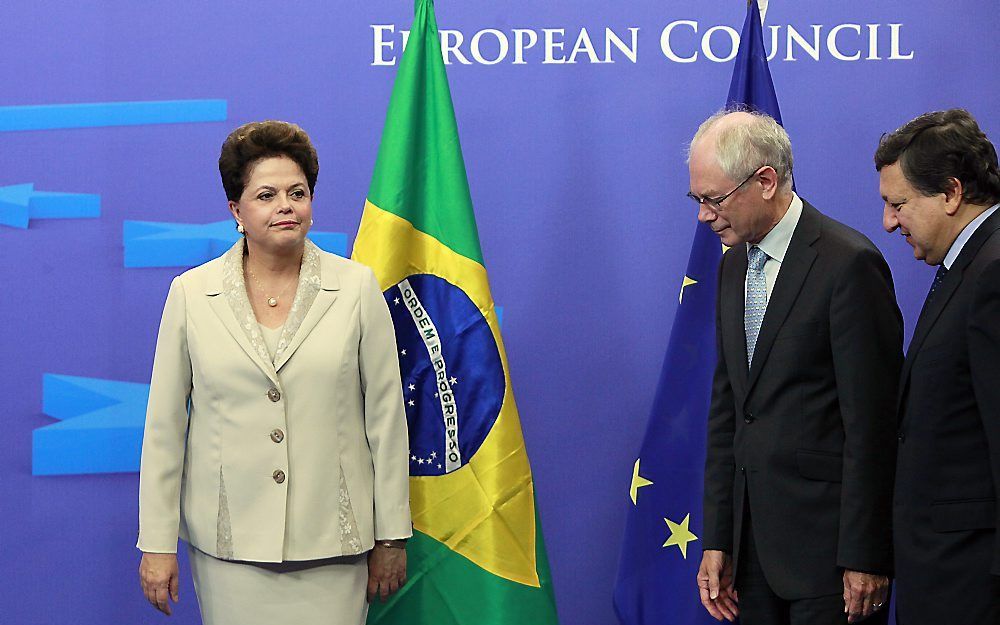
775 243
965 235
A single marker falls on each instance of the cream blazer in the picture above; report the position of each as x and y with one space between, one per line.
302 458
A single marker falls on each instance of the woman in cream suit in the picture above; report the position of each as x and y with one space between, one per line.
275 442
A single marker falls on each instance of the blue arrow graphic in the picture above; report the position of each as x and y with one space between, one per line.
99 429
103 114
159 244
20 203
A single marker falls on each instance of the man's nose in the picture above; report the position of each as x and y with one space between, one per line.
889 220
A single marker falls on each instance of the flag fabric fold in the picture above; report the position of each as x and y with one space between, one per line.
477 554
661 549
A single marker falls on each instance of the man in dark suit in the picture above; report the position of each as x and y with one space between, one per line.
801 432
940 182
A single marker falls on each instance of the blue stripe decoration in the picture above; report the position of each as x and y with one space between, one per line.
99 427
20 203
104 114
160 244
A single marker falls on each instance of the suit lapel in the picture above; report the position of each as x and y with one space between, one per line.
732 315
931 312
794 268
228 299
318 286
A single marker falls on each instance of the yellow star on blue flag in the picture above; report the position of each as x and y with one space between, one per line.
680 535
637 482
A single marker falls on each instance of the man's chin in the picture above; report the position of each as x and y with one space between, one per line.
728 237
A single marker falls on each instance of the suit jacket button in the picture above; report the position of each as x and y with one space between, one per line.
277 435
743 469
273 394
278 475
902 437
748 417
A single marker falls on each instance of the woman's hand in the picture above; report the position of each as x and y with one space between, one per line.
386 570
158 575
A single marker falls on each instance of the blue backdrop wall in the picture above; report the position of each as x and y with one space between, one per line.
575 159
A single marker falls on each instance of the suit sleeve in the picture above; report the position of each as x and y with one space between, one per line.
165 431
385 419
720 465
984 356
866 337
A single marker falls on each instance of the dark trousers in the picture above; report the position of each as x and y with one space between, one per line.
760 606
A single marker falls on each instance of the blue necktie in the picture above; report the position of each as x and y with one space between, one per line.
756 302
942 271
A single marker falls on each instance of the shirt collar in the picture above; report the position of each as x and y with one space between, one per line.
965 235
775 243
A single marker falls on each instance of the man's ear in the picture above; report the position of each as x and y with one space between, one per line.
767 177
953 197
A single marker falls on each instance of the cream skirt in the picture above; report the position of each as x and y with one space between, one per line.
318 592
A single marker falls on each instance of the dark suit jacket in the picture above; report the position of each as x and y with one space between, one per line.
808 431
946 511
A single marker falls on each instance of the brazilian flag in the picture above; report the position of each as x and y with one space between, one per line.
477 554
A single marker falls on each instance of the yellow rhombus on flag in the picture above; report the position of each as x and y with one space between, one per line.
477 555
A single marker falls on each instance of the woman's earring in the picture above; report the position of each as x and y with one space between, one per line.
240 228
310 223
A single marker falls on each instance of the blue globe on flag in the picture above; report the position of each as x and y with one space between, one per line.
453 378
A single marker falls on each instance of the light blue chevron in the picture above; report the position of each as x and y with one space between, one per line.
161 244
20 203
104 114
99 429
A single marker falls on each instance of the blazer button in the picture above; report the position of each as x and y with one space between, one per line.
273 394
902 437
278 475
743 469
277 435
748 417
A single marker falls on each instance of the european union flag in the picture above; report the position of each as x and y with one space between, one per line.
660 552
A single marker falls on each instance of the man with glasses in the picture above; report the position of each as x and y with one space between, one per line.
801 430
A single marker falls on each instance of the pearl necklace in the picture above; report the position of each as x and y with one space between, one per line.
273 300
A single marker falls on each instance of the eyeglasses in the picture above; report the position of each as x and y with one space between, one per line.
715 202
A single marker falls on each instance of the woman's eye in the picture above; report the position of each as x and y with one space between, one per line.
265 196
298 194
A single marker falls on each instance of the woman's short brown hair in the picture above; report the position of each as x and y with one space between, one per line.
255 141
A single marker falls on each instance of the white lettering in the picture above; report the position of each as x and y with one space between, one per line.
584 44
831 42
381 44
894 54
551 45
681 41
873 43
448 48
611 38
734 40
774 42
504 46
520 46
793 36
432 342
668 50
